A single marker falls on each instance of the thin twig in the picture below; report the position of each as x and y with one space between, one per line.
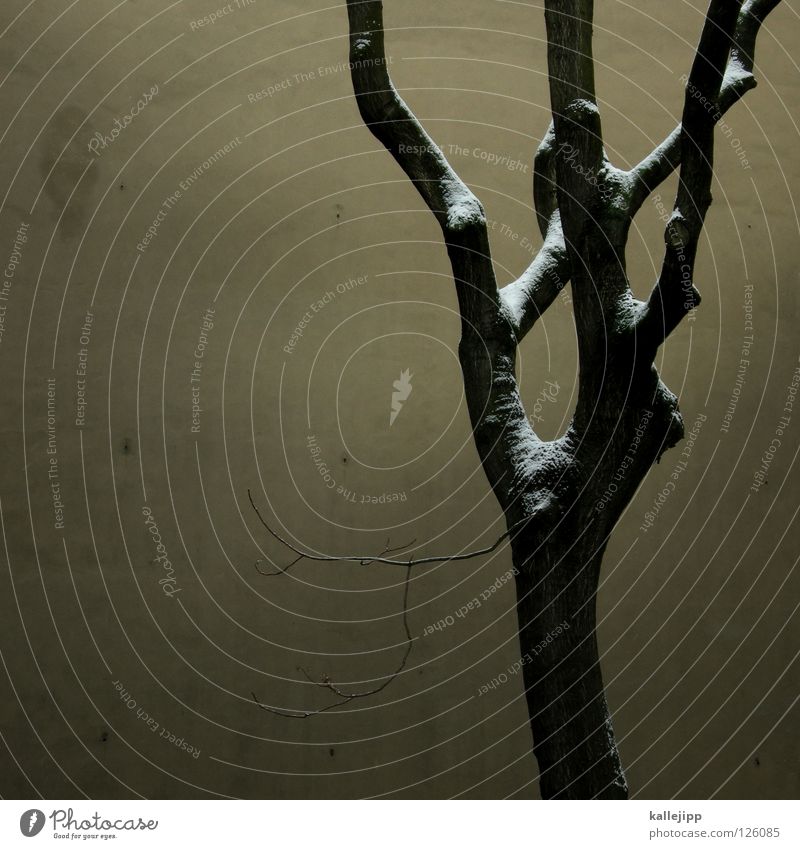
366 560
329 685
301 556
326 683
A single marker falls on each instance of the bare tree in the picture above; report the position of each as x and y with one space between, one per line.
562 498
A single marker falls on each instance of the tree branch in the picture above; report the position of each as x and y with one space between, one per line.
737 81
487 348
675 294
577 133
587 199
368 559
527 297
456 208
284 570
537 287
326 683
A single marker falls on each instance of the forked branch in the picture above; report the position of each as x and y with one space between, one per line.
576 118
737 81
527 297
538 286
535 289
675 294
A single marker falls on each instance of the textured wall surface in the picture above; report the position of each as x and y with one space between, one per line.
213 278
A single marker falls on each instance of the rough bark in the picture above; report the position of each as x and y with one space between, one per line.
563 497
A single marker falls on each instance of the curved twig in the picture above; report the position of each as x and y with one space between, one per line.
282 570
329 685
326 683
366 560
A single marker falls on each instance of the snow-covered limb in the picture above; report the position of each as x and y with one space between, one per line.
457 209
737 81
488 343
529 295
739 74
537 287
675 294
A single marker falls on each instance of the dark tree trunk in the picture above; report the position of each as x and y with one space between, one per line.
557 558
562 498
573 738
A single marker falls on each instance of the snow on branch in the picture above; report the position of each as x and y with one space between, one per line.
457 209
527 297
537 287
395 126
